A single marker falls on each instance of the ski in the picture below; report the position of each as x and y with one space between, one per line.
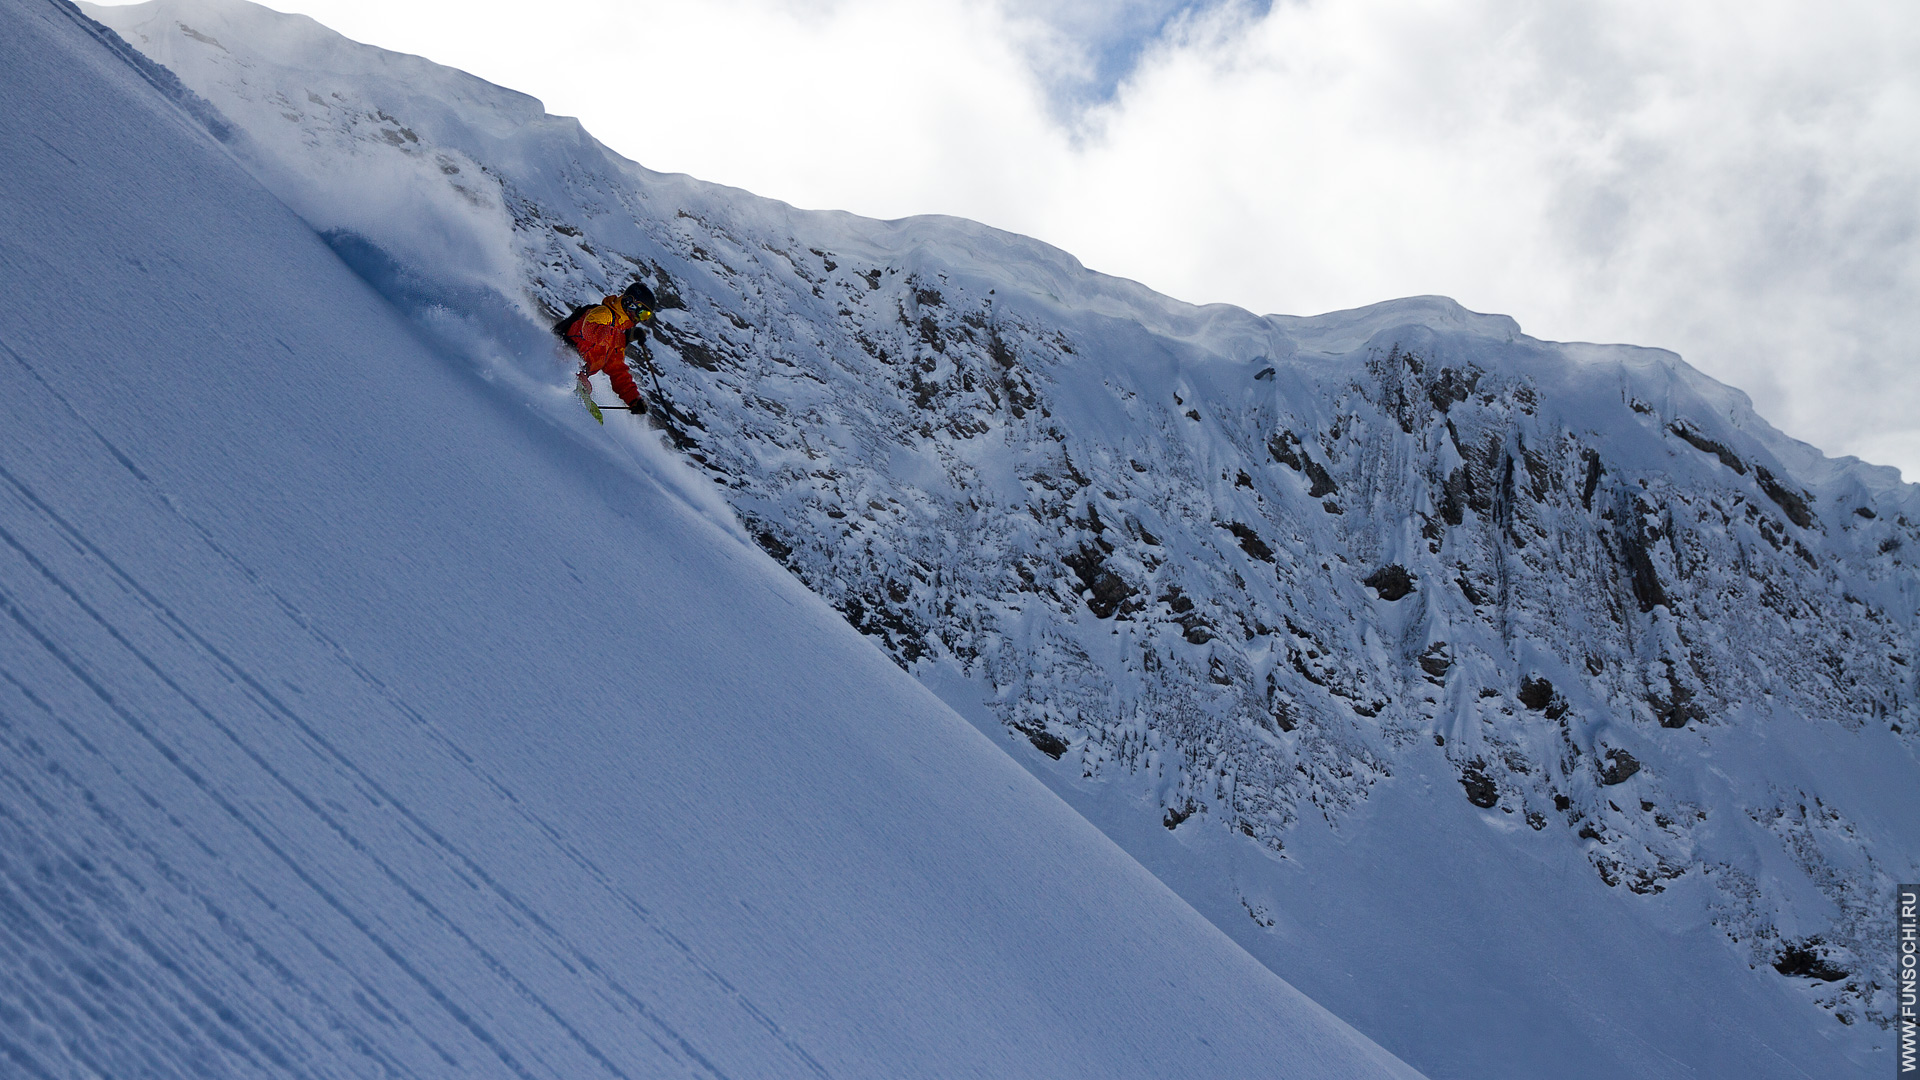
585 394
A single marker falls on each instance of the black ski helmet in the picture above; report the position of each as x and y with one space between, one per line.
638 296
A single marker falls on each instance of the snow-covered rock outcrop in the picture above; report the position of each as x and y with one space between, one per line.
1282 589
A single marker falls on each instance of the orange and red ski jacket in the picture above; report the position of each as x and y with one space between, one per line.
600 336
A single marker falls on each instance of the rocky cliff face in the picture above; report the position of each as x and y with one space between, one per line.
1252 579
1250 568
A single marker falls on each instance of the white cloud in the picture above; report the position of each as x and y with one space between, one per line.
1737 181
1742 185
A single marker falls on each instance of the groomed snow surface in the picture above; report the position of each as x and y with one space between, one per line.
362 717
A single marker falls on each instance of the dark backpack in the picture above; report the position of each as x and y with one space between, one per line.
562 328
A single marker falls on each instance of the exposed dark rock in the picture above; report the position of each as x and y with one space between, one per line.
880 615
1620 765
1701 442
1250 541
1322 483
1503 510
1431 530
930 334
1865 512
1592 481
697 354
1047 743
1540 476
1677 706
1193 625
1281 446
1536 694
1647 882
1808 960
1284 716
1300 665
1392 581
1391 385
1481 790
1456 494
1474 596
1287 449
1021 397
1108 590
1805 555
1449 388
1676 711
1176 815
1437 660
771 545
1644 578
1793 504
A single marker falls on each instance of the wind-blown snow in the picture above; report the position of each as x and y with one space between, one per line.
360 716
1537 707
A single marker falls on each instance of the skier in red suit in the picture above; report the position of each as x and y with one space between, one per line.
599 334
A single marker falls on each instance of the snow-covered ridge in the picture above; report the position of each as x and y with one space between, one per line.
1250 577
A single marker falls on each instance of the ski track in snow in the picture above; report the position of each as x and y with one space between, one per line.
138 615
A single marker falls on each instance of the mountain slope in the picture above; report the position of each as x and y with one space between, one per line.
1562 640
361 717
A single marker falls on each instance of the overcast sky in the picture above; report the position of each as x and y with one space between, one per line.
1737 181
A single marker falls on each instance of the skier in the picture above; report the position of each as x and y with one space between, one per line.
599 333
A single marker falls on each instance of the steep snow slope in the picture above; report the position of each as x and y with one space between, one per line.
1417 653
361 718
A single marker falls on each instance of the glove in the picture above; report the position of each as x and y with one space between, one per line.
638 406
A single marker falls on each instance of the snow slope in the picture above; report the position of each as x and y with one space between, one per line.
1537 707
360 716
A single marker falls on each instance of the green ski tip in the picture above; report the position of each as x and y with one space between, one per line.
586 398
